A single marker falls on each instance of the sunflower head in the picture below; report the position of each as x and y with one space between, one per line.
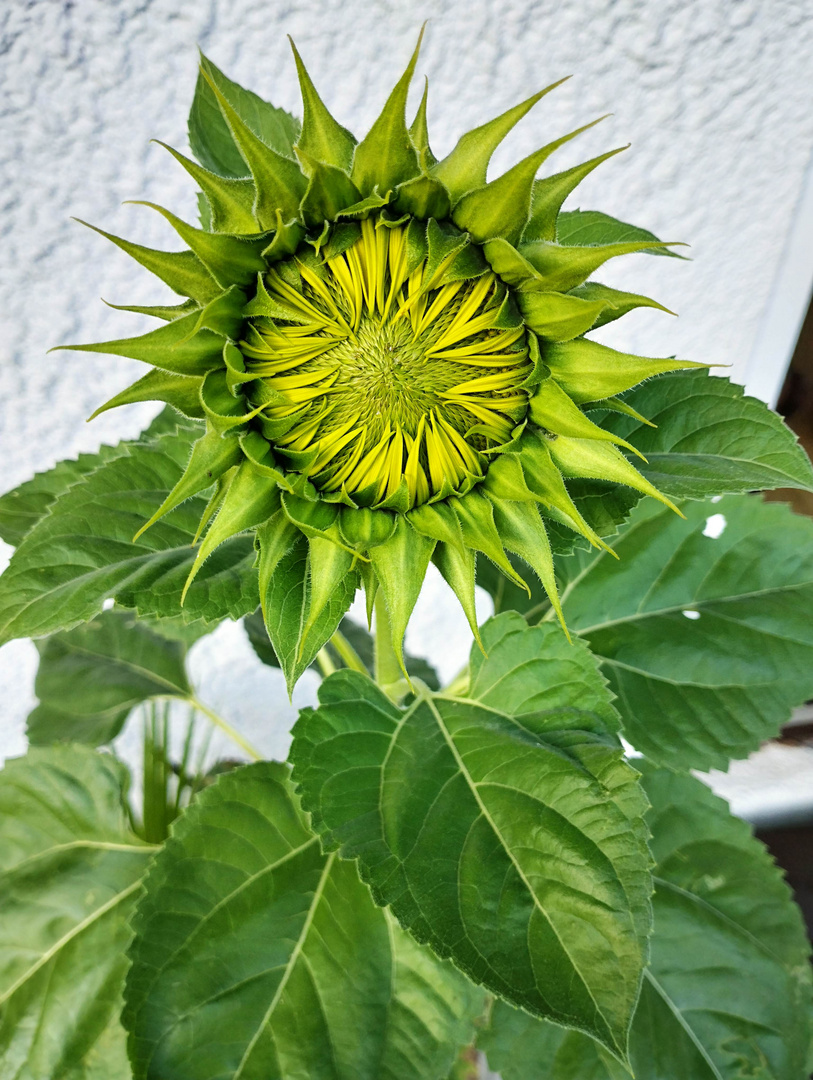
389 354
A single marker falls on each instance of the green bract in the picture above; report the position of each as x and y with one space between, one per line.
389 354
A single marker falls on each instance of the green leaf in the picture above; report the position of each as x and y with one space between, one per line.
286 604
465 168
695 691
69 873
22 508
256 955
107 1059
209 135
710 438
505 829
728 992
592 227
81 552
385 157
323 137
90 678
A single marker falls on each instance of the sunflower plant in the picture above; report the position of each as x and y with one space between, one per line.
380 359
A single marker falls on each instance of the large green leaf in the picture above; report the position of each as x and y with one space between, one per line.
728 993
22 508
81 552
702 625
69 873
504 829
209 135
90 678
257 956
710 438
586 227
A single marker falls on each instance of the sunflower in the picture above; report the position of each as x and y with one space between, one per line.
388 352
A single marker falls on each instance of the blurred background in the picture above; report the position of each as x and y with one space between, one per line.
714 96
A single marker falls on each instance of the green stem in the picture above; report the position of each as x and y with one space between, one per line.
226 727
347 652
387 670
326 665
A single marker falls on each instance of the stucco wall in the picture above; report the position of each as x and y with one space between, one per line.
714 95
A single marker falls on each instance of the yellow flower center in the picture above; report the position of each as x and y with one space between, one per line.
383 380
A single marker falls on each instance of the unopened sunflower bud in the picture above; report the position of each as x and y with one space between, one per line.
387 352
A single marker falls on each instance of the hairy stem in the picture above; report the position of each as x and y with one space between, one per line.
226 727
326 665
347 652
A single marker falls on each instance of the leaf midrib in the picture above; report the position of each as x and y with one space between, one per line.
127 665
74 932
483 810
291 964
691 605
681 1020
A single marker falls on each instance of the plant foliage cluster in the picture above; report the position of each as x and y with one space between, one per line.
434 868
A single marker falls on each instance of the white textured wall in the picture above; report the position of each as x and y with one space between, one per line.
714 95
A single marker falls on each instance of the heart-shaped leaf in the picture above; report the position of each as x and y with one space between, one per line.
505 828
258 956
728 991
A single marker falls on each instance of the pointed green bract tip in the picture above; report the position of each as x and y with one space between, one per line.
389 354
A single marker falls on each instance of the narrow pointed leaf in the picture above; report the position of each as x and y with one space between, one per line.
476 516
593 227
328 565
385 157
552 409
261 956
419 132
250 499
230 201
458 569
588 371
278 182
168 347
182 392
465 168
565 267
550 192
725 678
617 303
229 259
463 816
286 603
400 565
322 138
70 871
211 457
183 271
721 909
545 480
165 312
501 208
559 318
523 532
601 461
89 679
209 135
